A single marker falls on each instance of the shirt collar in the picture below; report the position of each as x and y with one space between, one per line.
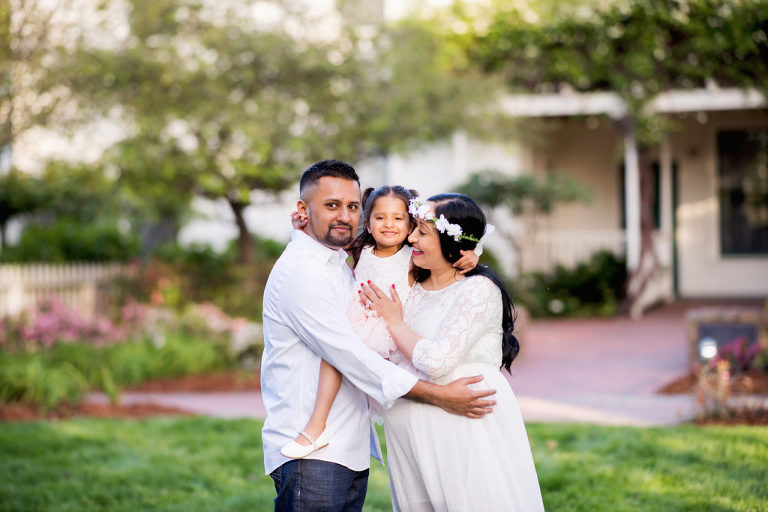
323 253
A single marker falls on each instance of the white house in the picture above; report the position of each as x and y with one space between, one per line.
712 183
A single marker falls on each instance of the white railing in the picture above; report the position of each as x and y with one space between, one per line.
567 248
76 285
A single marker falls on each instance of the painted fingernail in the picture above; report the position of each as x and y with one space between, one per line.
369 282
393 286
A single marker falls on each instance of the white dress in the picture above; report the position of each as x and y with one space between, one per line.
443 462
383 272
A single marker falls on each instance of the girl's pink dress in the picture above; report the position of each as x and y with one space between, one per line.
384 272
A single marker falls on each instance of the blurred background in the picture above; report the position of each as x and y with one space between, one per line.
150 152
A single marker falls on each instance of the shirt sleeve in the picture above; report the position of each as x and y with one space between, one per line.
476 312
319 319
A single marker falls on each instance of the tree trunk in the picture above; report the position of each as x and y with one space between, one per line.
245 242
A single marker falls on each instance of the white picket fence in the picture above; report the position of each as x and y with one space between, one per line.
76 285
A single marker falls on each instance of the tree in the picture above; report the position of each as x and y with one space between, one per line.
221 107
31 35
525 197
637 50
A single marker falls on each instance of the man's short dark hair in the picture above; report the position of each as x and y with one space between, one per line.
334 168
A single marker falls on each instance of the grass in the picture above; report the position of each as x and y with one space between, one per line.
189 464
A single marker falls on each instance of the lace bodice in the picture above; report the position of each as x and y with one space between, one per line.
459 324
385 272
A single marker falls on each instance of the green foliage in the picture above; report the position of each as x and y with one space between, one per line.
197 273
69 239
170 464
593 287
636 49
79 191
28 379
67 371
524 193
19 194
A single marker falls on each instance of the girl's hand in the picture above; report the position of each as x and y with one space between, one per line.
467 262
391 310
298 221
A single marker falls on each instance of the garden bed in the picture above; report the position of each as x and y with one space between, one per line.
750 383
235 380
24 412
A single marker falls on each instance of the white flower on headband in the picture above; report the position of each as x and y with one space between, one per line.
421 210
454 230
442 224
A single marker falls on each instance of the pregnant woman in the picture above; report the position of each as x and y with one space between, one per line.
452 326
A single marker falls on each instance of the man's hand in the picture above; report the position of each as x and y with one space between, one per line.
457 397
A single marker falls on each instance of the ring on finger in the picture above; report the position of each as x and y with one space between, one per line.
368 304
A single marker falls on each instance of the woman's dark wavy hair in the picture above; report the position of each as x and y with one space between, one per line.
370 195
462 210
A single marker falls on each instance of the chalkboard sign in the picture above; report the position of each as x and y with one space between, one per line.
726 332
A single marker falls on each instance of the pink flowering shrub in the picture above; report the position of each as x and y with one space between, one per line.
740 355
52 322
208 319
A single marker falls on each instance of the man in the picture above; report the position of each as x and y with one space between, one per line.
304 321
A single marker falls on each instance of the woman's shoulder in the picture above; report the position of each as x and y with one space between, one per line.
482 285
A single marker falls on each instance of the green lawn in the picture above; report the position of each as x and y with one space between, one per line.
183 464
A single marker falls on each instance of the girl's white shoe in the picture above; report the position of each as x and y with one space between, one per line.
294 450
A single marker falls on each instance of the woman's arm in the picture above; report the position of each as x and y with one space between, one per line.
467 262
479 310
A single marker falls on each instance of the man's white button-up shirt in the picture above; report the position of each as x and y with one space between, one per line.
305 303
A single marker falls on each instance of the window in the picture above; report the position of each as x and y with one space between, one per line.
743 172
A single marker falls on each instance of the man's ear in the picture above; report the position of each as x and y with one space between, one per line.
301 207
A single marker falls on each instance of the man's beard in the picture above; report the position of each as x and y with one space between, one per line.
339 241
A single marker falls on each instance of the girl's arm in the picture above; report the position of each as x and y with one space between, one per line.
467 262
298 221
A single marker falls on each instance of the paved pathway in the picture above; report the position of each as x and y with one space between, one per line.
603 371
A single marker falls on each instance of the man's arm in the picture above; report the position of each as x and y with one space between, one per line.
456 397
321 322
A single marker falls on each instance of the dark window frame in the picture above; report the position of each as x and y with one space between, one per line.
737 203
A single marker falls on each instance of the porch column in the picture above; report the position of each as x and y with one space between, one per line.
665 189
666 212
632 194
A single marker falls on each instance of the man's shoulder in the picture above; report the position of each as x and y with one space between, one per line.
297 266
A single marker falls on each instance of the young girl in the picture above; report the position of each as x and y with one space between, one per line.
380 255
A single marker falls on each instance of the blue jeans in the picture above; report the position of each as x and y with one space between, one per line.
317 485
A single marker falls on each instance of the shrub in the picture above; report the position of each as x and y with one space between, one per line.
72 240
67 371
28 379
593 287
741 356
53 355
53 322
179 275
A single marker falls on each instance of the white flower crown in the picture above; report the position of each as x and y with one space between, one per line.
421 210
